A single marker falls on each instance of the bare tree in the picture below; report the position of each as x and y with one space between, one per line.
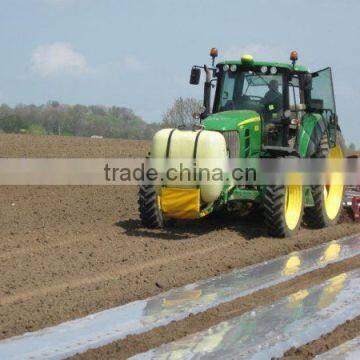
352 147
181 113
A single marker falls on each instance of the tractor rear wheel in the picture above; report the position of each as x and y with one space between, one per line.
149 207
328 198
283 209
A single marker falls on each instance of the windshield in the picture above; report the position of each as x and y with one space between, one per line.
248 90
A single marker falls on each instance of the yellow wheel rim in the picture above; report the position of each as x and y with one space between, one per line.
293 205
334 189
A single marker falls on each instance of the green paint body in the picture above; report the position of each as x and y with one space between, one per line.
307 127
246 122
249 128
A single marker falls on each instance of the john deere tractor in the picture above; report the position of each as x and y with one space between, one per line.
260 110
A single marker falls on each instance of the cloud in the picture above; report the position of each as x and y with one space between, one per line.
58 58
132 64
259 52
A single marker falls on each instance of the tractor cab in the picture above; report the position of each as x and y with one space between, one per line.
263 88
280 94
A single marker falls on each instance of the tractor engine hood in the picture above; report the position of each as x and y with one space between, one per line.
229 120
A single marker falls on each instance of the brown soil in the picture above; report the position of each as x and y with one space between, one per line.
66 252
195 323
68 146
343 333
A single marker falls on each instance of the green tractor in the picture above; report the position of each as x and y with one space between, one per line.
259 110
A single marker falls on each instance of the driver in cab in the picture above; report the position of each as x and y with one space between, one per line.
273 96
272 101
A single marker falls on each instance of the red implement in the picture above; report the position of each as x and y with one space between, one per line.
355 206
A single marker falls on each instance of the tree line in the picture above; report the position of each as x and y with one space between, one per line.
54 118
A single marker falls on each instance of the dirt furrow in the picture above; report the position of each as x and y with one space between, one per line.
195 323
56 287
342 334
105 276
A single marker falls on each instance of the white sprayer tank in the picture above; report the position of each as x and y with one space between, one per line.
210 154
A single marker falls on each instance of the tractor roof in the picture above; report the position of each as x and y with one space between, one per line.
289 67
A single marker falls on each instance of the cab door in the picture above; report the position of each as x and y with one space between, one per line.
323 100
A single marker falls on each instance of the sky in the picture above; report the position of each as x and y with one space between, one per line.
138 53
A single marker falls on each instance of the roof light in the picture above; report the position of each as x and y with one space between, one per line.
214 52
273 70
247 59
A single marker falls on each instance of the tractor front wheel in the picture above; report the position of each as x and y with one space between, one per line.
149 207
283 209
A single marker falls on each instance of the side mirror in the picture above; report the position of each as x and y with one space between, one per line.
195 76
307 82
